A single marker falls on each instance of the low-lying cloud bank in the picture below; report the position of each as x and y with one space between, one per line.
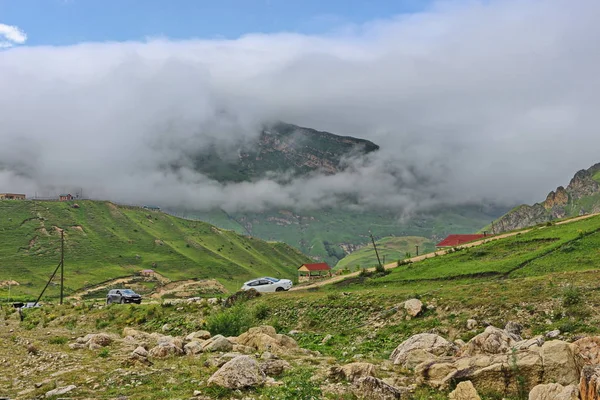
469 101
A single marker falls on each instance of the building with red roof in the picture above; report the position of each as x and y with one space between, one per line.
457 240
313 271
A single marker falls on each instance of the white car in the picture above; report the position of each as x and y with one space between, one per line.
268 284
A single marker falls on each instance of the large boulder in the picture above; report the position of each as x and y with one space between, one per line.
238 373
589 384
165 349
353 371
370 388
559 363
420 348
587 351
265 338
193 347
464 391
554 391
93 341
491 341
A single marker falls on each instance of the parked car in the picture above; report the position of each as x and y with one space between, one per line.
268 284
123 296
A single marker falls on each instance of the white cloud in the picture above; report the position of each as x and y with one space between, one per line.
11 35
468 101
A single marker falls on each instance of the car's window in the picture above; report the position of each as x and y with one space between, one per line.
273 279
127 291
264 282
253 283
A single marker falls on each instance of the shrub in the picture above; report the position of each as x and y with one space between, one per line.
58 340
297 385
231 321
571 296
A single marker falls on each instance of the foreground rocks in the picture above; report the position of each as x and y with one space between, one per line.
464 391
554 391
421 348
241 372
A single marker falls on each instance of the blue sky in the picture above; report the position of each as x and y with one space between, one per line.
64 22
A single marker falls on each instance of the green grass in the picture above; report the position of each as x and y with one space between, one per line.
103 242
596 176
390 249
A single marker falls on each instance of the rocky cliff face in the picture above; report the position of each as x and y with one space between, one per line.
581 196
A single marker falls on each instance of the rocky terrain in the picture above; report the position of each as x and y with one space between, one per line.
581 196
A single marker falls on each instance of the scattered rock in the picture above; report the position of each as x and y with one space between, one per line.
140 351
464 391
471 324
241 372
589 385
265 338
273 367
413 307
352 372
491 341
165 349
526 344
554 391
60 390
326 339
375 389
202 335
194 347
587 351
420 348
217 343
553 334
166 328
514 328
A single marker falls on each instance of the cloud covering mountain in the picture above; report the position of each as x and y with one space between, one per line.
469 101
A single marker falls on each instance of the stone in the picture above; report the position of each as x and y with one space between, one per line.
166 328
464 391
554 391
140 351
243 349
265 338
587 351
326 339
192 348
352 372
413 307
471 324
60 390
101 339
273 367
553 334
559 362
165 349
202 335
238 373
217 343
375 389
134 333
430 343
526 344
514 328
589 384
491 341
175 341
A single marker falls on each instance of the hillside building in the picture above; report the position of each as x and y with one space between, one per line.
307 272
12 196
457 240
65 197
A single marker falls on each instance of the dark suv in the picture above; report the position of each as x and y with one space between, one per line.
123 296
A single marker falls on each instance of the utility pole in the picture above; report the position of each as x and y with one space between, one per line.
62 264
493 231
376 253
417 246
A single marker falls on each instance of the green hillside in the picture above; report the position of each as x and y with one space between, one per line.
328 234
390 249
542 250
104 241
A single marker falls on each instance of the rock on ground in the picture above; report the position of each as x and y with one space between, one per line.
217 343
61 390
491 341
464 391
240 372
554 391
420 348
370 388
587 351
471 324
589 385
273 367
265 338
353 371
202 335
413 307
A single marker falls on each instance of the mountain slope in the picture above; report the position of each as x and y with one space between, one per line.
581 196
281 148
104 241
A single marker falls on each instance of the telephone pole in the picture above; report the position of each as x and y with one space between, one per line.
62 264
376 253
417 246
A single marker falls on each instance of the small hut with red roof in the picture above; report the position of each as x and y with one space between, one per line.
457 240
307 272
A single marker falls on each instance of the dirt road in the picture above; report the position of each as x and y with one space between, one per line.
436 253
